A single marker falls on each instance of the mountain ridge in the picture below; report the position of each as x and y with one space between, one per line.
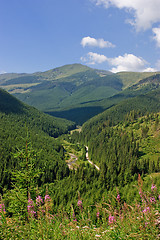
74 86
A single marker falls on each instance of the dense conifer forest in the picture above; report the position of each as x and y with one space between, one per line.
20 123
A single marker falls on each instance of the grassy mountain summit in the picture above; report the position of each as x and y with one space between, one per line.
75 91
63 88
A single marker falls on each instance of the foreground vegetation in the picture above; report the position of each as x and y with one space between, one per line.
112 219
86 203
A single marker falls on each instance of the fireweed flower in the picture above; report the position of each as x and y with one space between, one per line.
30 202
2 207
118 198
152 200
147 209
39 200
98 214
79 203
30 208
153 187
111 219
140 192
47 198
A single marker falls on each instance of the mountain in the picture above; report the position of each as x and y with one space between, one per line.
75 92
62 88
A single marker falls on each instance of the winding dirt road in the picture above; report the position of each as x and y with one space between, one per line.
74 158
90 160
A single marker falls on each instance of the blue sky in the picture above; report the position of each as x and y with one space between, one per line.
115 35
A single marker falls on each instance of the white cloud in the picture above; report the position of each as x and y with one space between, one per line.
150 70
2 72
92 42
93 58
146 12
129 63
125 63
156 31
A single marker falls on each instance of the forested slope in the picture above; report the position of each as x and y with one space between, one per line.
144 103
122 152
20 123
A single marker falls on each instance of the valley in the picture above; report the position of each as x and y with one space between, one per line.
101 159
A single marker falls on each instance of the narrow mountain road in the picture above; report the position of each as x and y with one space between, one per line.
90 160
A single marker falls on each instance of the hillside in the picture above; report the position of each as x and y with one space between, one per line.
122 151
143 104
20 123
82 112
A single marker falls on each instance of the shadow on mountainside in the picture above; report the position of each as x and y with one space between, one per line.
9 104
78 115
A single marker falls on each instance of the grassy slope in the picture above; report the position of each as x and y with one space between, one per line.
71 90
69 78
130 78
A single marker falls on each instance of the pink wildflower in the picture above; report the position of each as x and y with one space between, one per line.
140 192
2 207
98 214
118 197
153 187
159 197
30 201
147 209
47 198
30 208
111 219
39 200
152 200
79 203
